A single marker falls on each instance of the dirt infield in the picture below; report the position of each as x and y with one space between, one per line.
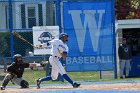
114 86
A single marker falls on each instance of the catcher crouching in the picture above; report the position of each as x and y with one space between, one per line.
15 72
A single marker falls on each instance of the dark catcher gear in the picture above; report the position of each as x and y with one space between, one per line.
15 72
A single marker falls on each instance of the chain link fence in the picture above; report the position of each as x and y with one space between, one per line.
20 16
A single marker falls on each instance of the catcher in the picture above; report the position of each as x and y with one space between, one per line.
15 72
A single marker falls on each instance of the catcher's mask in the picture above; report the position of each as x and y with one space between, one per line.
18 59
63 37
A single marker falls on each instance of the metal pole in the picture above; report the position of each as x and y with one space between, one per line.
58 15
114 38
11 29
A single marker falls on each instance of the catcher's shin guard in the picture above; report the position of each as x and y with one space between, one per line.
4 84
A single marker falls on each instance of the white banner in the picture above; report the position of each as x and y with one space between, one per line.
44 34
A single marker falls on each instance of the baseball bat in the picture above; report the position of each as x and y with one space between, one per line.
23 39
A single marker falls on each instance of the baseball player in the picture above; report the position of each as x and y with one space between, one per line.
59 50
15 72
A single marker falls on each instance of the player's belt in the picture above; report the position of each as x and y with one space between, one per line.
55 56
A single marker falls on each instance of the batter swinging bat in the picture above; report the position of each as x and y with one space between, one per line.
20 37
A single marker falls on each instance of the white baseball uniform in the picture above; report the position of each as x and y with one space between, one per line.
58 47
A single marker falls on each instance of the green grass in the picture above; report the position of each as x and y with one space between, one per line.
32 75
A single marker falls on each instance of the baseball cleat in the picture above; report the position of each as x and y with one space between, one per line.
76 85
38 83
2 88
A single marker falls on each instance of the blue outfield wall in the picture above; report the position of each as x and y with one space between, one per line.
90 29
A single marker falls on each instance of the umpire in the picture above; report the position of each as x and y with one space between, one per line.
15 72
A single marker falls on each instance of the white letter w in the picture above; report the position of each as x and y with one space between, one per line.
90 22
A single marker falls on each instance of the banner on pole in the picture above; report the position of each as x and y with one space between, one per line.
90 29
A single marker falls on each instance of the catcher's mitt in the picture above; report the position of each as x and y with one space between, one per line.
43 64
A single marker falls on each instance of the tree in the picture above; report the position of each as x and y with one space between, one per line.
4 37
127 9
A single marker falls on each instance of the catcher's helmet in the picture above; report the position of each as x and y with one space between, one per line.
17 56
62 35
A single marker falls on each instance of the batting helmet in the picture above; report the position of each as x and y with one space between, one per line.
62 35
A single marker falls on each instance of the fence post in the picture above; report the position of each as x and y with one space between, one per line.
114 40
11 28
58 15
